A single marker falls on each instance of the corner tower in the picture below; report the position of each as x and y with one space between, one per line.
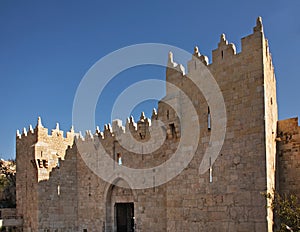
37 153
228 196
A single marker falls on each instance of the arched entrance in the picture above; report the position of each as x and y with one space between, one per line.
119 207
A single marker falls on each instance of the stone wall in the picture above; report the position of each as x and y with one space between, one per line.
288 147
232 201
68 195
37 153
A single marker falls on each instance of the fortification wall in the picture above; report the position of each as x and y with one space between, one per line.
288 148
37 153
97 198
226 197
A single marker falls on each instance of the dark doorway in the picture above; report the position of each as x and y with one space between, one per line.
124 217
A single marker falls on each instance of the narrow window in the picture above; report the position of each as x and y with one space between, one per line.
119 158
208 119
58 190
90 188
153 180
271 101
210 171
172 128
168 114
45 163
84 230
40 163
58 163
222 53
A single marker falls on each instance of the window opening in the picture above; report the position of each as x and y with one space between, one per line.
210 171
119 158
208 119
173 131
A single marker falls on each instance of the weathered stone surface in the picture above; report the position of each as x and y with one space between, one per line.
288 155
56 191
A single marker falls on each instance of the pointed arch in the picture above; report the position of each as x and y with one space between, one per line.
117 191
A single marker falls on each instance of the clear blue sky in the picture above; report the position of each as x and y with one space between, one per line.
46 47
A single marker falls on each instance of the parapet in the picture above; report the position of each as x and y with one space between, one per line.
224 54
140 130
287 129
40 132
224 50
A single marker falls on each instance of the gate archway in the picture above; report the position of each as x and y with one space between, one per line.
119 205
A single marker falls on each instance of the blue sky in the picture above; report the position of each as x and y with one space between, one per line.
46 47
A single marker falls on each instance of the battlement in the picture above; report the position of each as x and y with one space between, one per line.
140 130
41 131
254 52
230 69
288 129
290 124
220 55
225 50
56 169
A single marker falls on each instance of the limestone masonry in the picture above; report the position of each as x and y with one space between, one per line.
57 191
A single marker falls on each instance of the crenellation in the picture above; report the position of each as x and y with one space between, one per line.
18 134
202 58
41 133
97 131
196 51
287 127
66 193
79 136
171 62
107 131
39 130
223 41
57 132
259 26
180 68
143 127
131 125
174 70
70 134
224 52
88 136
99 134
154 115
127 125
39 122
24 132
31 129
117 127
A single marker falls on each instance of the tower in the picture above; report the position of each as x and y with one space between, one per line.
37 154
